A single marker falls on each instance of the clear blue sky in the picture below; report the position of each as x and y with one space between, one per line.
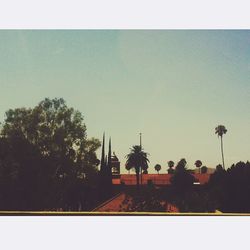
173 86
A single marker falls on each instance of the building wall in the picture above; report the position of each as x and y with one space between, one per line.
157 179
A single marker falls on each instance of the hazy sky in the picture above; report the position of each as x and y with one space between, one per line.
174 87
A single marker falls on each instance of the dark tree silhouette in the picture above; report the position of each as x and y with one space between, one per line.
128 168
198 164
230 189
182 180
220 130
170 167
204 170
47 156
219 167
105 177
137 159
157 168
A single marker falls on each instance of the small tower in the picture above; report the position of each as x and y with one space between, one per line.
115 164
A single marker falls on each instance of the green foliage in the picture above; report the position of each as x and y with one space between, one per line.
46 157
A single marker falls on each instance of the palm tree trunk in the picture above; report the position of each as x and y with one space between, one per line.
223 163
137 179
141 175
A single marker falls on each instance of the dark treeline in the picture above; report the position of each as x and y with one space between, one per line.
46 160
227 190
48 163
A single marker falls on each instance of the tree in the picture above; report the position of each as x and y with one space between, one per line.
51 155
219 168
237 188
204 170
220 130
170 167
105 174
198 164
157 168
182 180
137 159
128 168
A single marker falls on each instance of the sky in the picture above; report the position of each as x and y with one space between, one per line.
173 86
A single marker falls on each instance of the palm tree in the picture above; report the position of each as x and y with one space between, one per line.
138 160
128 168
221 130
198 164
170 165
157 168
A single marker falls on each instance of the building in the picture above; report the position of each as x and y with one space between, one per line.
115 165
157 179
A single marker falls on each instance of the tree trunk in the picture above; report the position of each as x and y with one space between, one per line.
137 179
223 164
141 175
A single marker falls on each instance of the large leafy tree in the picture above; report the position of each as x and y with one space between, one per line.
137 159
49 141
220 130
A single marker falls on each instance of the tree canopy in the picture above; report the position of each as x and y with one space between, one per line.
137 159
46 153
157 168
182 179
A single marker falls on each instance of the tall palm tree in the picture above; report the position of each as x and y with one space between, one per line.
198 164
137 159
157 168
221 130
